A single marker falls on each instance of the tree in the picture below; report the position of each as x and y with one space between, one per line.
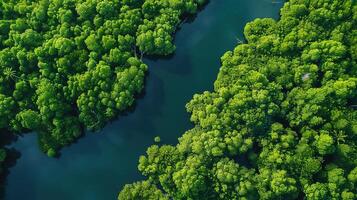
317 191
29 119
141 190
280 122
7 106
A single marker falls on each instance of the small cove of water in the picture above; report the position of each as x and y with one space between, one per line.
99 165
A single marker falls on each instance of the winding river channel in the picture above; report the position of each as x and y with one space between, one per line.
99 164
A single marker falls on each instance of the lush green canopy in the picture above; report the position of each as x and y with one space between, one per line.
69 65
281 122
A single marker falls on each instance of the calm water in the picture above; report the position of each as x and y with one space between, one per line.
98 165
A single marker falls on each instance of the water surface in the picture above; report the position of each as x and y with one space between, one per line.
98 165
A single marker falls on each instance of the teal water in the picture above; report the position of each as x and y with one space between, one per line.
98 165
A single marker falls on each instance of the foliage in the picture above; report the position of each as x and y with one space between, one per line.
142 190
70 65
281 122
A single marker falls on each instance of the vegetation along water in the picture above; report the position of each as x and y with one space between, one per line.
98 165
280 122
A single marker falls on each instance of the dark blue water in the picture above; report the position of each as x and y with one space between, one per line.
98 165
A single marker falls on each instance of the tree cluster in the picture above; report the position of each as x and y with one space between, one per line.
281 122
73 65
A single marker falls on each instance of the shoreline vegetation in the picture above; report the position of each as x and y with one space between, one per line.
69 66
281 121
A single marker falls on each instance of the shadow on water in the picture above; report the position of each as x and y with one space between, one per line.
12 155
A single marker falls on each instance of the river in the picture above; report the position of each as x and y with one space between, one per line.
99 164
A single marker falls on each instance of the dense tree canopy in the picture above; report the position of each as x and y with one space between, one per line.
281 122
72 65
